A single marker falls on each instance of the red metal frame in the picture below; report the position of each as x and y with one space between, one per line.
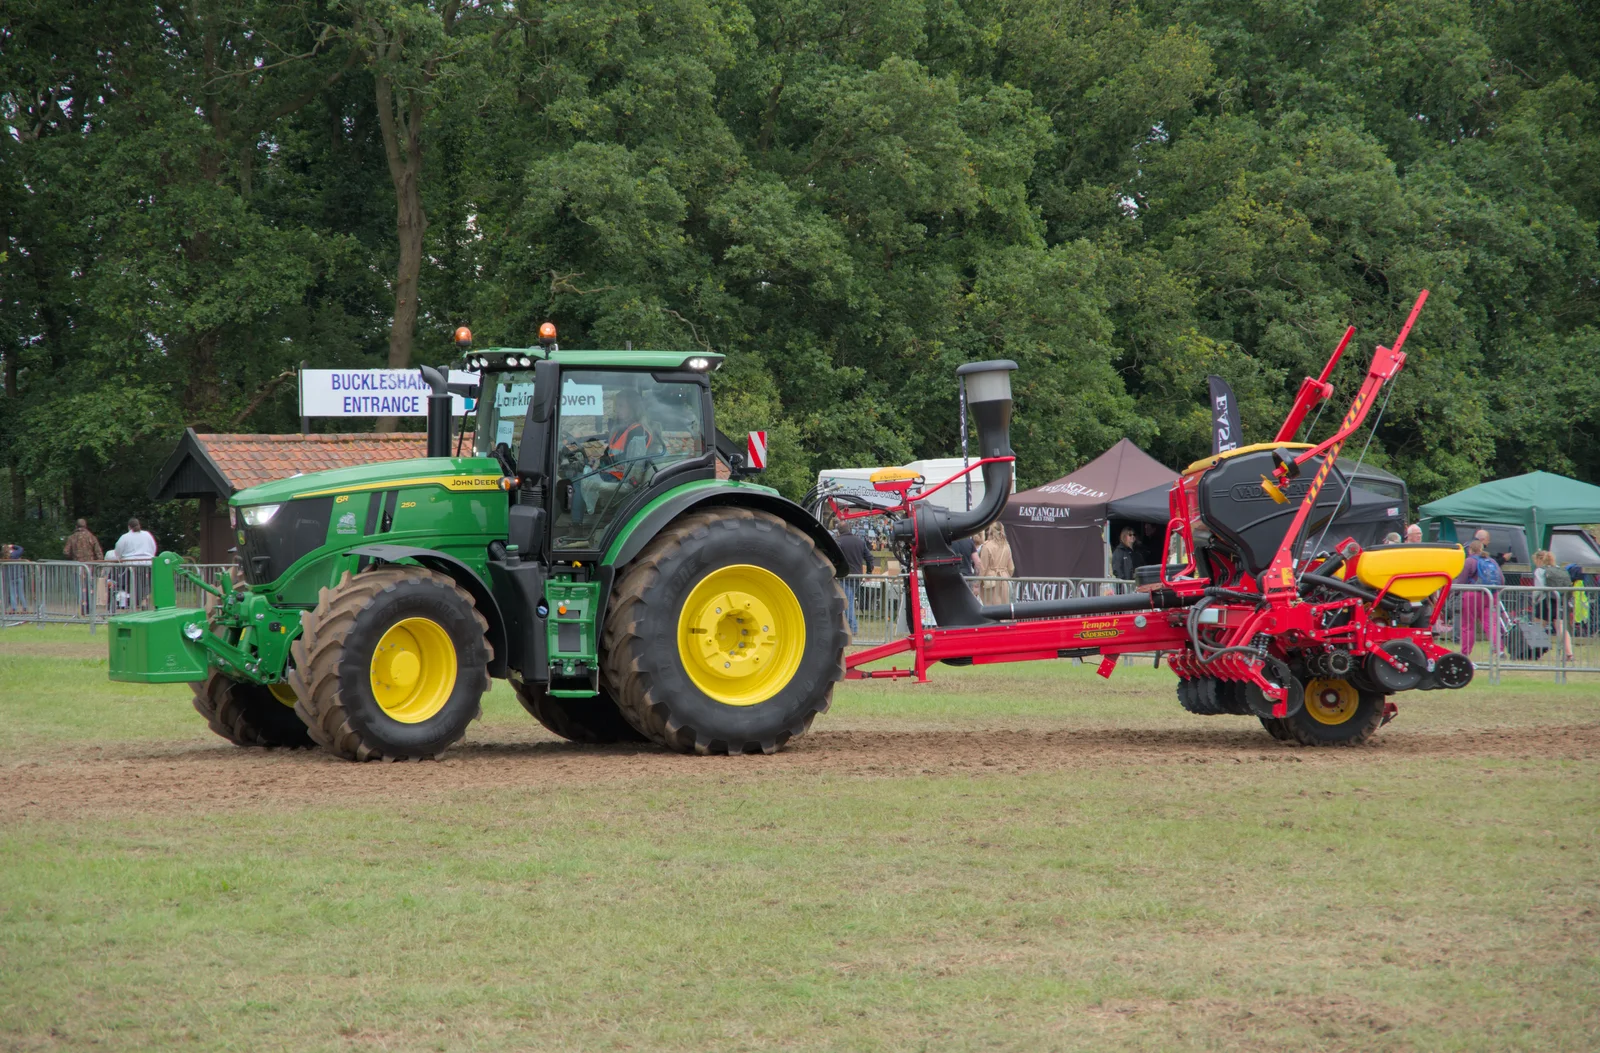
1280 616
1312 392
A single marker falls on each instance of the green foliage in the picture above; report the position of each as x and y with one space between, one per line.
848 200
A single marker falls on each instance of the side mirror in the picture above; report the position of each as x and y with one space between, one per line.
533 457
546 391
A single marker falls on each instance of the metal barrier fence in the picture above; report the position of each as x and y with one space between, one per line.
1518 627
88 593
1511 628
45 592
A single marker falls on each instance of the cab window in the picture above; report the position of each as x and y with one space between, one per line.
614 433
502 409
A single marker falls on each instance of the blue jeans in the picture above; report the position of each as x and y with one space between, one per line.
850 603
16 598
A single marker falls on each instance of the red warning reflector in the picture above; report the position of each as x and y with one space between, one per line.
757 447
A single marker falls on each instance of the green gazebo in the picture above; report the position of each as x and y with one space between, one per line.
1536 502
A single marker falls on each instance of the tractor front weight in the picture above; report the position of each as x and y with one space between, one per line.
244 635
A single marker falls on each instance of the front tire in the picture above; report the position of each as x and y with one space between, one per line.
726 634
392 665
249 714
592 721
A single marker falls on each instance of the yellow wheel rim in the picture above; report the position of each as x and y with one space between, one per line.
1332 701
741 635
413 670
282 692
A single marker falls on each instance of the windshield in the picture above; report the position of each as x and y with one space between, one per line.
502 411
617 429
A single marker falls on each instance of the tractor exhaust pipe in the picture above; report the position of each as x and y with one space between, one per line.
438 411
930 530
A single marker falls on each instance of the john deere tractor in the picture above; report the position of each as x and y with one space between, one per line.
584 549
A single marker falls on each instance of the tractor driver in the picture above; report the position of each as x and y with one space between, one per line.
622 464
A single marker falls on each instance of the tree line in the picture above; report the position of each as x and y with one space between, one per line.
847 198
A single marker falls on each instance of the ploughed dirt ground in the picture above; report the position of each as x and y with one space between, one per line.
163 777
135 748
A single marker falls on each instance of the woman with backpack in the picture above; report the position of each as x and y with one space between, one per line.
1479 606
1548 606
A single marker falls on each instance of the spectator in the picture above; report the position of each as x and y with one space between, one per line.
83 547
1391 538
1122 559
1501 558
115 586
994 561
1414 534
1549 606
1479 606
11 583
1149 548
137 548
858 560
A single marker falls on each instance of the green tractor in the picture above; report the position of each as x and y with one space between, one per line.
585 549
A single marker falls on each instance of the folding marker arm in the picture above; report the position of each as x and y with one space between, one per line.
1386 364
1312 392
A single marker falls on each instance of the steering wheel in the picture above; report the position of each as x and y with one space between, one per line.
610 466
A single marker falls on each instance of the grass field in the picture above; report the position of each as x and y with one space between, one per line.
1014 858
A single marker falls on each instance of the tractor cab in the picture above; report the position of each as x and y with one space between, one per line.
590 437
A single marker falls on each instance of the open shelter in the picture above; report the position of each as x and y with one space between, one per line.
1058 530
1536 502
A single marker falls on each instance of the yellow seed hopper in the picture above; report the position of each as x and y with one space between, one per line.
1434 566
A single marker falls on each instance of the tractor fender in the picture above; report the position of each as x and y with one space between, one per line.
462 575
659 513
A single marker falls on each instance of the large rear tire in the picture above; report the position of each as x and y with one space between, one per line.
249 714
392 665
592 721
1336 713
726 634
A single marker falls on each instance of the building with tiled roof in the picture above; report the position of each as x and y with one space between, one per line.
213 467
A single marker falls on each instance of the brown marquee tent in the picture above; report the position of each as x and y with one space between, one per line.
1058 530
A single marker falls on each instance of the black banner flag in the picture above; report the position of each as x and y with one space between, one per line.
1225 432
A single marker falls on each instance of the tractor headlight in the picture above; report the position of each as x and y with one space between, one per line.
260 515
699 365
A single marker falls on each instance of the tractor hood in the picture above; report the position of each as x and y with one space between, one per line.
458 474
